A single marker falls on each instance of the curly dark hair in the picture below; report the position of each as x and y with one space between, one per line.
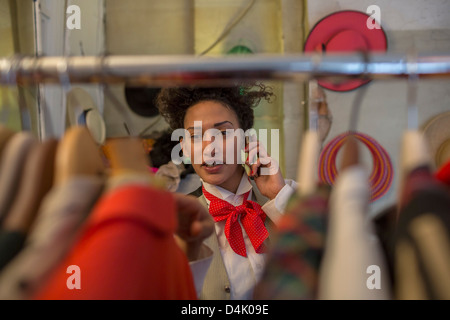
161 152
174 102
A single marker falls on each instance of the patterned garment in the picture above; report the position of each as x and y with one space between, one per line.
419 180
293 265
421 254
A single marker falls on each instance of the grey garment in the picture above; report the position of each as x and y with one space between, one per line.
12 161
217 285
189 183
60 217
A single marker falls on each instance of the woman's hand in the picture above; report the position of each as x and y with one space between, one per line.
195 224
265 170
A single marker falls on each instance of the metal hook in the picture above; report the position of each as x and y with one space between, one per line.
313 103
63 74
356 107
12 67
119 106
413 83
6 67
24 111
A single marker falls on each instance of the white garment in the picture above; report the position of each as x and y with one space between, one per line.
353 262
243 272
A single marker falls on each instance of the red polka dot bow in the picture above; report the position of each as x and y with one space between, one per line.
251 216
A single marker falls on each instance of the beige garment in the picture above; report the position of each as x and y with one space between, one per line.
216 284
354 265
58 221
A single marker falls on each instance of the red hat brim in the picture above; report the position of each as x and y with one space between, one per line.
344 32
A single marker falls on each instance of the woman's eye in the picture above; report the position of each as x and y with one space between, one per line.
224 132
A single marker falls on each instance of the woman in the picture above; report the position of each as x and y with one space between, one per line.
244 205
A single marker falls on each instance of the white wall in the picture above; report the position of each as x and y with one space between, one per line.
142 27
55 39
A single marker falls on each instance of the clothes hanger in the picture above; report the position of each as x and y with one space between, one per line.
126 155
36 181
5 132
120 108
414 149
350 156
310 148
16 148
8 74
77 155
118 148
309 152
11 74
82 110
350 153
130 164
64 79
25 115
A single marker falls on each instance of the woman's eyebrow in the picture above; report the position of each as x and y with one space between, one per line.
221 123
218 124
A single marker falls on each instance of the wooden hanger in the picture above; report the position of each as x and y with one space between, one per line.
414 152
307 168
414 148
5 135
311 145
129 163
350 156
37 180
77 155
127 155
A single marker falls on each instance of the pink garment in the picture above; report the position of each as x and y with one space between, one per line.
152 169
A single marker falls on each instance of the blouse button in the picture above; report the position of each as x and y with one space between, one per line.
227 289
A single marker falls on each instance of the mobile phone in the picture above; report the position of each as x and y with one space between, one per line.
245 156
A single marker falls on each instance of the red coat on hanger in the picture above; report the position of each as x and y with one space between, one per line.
126 251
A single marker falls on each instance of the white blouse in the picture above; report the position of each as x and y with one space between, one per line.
243 272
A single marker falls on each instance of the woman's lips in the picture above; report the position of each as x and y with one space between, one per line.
212 169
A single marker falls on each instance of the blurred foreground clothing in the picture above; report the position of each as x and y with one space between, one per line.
13 158
293 265
127 251
354 264
58 221
421 244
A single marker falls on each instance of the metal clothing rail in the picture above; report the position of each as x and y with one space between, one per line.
176 70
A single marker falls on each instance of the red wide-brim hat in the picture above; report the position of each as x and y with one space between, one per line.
346 32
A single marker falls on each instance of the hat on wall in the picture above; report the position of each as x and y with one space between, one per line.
437 133
82 110
346 32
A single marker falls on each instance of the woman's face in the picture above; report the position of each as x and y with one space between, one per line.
207 123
